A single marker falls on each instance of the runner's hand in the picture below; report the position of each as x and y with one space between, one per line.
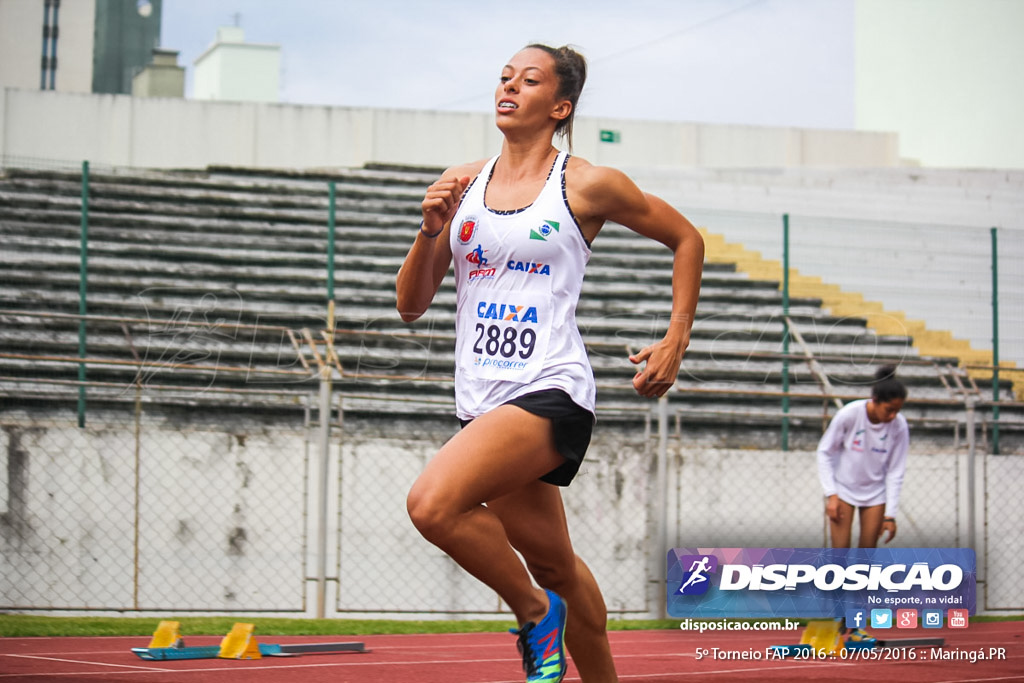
888 526
832 508
441 202
661 367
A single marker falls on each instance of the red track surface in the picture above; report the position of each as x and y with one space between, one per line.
641 657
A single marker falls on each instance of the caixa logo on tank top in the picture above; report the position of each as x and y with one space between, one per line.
507 312
528 267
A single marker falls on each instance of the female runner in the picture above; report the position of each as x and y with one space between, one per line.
861 460
519 228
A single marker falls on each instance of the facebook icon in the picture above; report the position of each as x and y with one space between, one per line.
856 618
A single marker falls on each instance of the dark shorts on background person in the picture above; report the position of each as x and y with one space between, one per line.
571 427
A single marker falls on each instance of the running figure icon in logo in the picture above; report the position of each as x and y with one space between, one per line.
696 578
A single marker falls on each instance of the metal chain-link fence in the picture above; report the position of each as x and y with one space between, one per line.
385 566
131 513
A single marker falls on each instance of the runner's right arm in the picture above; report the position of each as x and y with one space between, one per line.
430 255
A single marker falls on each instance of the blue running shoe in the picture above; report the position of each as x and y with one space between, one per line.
541 644
859 635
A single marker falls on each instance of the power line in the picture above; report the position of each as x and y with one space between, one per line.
641 46
680 32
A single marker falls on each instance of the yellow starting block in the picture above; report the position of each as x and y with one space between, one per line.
823 636
167 634
239 643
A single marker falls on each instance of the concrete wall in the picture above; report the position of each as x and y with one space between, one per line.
162 133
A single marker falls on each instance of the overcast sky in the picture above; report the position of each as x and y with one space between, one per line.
758 62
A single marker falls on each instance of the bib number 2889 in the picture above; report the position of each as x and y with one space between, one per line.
508 342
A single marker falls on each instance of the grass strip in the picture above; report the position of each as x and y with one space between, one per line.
28 625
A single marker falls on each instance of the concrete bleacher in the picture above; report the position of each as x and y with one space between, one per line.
914 240
201 285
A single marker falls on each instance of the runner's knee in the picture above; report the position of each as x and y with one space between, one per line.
558 576
429 513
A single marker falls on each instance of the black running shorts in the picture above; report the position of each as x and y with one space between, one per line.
571 425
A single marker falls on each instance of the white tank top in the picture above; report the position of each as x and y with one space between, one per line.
518 278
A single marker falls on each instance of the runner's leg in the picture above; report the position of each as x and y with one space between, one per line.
534 520
842 530
496 454
871 518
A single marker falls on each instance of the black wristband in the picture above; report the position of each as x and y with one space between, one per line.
427 234
889 519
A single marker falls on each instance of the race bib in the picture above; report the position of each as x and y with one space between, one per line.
504 335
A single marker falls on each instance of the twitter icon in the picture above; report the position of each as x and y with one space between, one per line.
881 618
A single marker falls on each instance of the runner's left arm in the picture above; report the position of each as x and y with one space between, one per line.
610 194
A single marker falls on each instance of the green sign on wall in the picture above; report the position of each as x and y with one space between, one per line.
610 136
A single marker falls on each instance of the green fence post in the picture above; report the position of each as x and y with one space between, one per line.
995 343
332 194
326 399
83 271
785 332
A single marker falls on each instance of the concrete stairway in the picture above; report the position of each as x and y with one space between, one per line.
203 286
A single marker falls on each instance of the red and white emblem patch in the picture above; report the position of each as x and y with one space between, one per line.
466 230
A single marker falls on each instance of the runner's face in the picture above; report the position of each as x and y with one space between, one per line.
527 91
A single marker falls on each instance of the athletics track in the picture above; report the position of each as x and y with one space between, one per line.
641 657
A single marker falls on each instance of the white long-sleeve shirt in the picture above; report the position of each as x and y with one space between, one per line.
861 461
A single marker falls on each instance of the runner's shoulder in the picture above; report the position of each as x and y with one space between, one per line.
471 169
